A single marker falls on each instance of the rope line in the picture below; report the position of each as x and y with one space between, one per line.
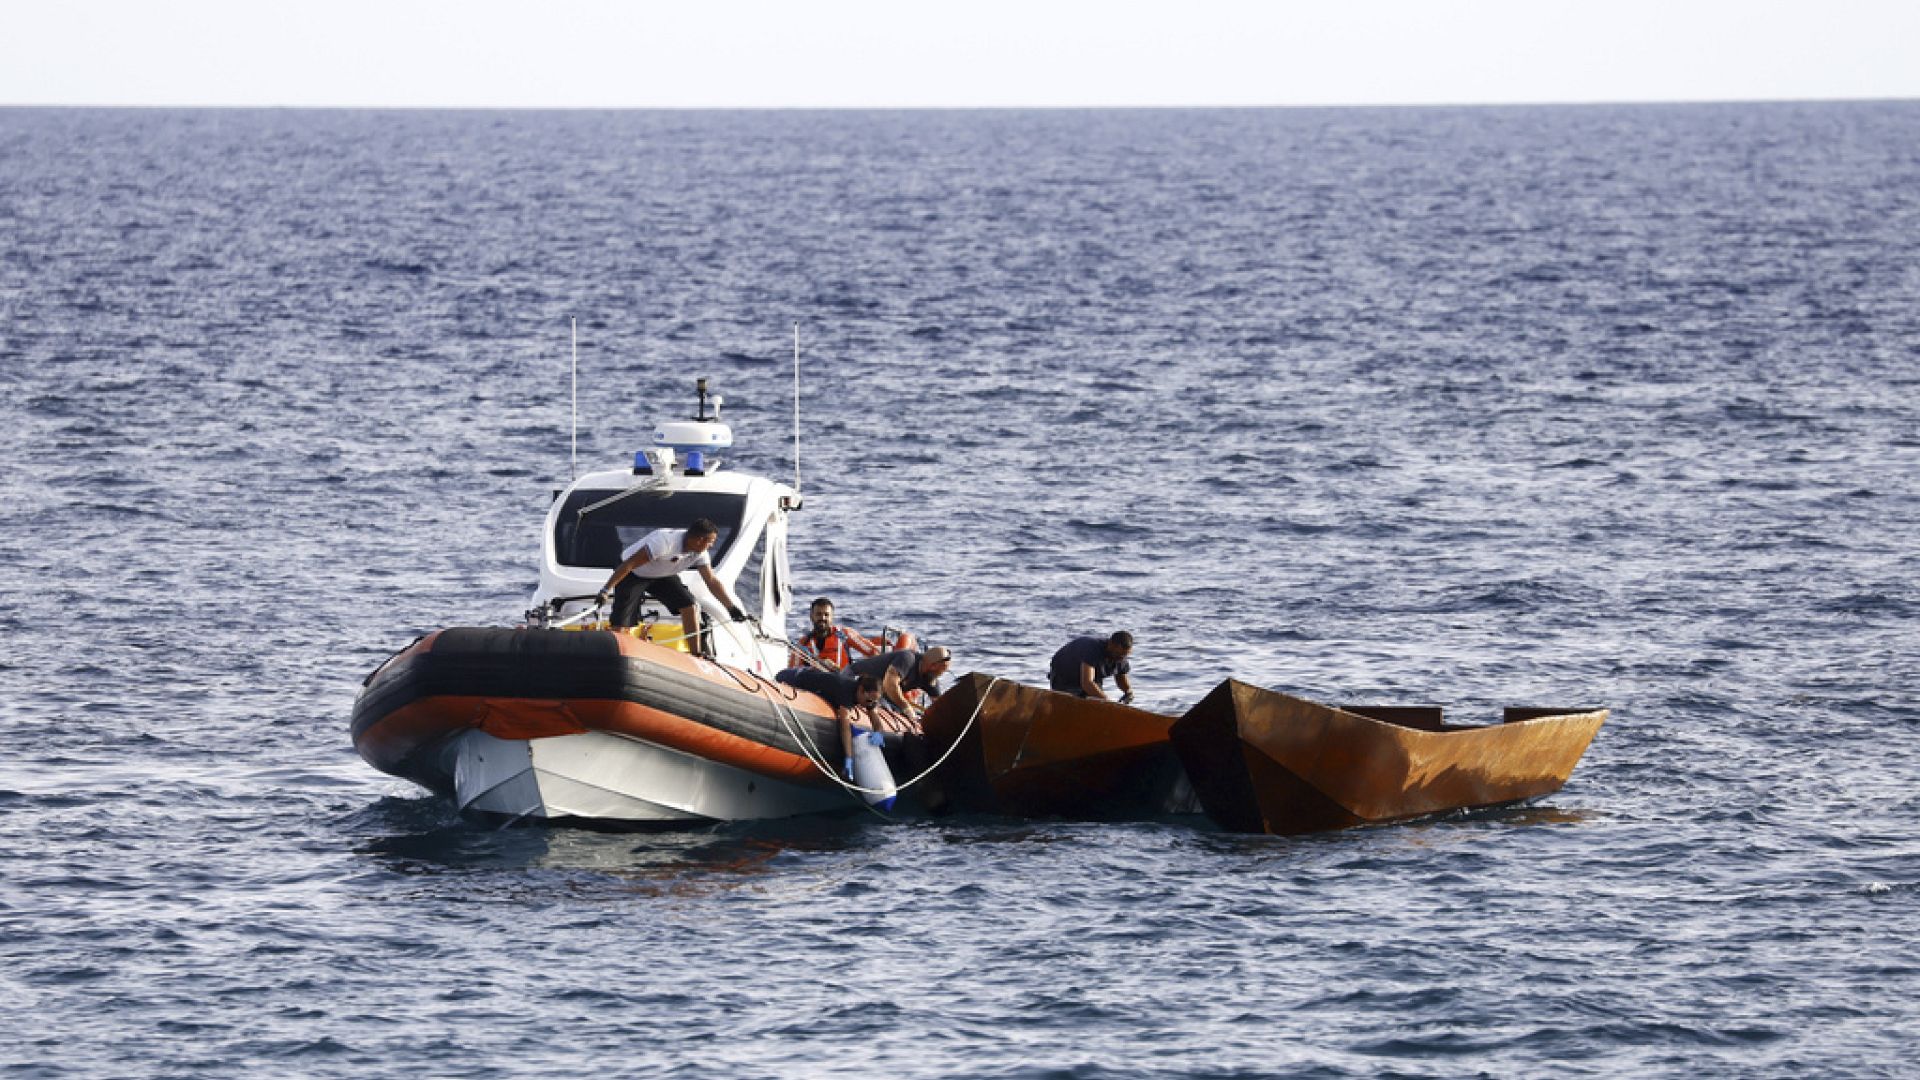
774 692
812 751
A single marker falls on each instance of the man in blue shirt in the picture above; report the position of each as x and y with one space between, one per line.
1084 663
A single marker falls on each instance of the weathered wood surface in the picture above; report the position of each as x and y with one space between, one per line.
1263 761
1038 753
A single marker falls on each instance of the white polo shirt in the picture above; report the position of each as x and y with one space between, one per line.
670 555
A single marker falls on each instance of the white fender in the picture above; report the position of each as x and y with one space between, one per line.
870 769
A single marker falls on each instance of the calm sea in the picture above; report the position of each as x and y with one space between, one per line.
1563 406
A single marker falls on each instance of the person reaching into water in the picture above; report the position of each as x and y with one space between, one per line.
903 671
651 566
848 694
1083 664
832 645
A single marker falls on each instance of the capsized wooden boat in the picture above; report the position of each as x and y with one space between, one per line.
1023 751
1263 761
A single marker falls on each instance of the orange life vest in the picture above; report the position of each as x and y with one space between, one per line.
837 648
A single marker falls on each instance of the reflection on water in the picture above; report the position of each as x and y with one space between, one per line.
425 837
1523 404
430 840
1532 815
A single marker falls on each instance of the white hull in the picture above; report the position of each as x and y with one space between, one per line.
615 778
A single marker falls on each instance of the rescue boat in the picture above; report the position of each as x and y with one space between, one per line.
561 719
1264 761
595 726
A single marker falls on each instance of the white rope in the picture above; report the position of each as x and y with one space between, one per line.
797 731
784 713
812 750
812 658
746 645
992 682
576 617
595 611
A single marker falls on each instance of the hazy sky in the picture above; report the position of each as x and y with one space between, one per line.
972 53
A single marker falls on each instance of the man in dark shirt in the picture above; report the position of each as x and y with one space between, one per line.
1084 663
846 692
903 671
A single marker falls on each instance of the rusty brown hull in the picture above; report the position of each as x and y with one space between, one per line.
1036 753
1263 761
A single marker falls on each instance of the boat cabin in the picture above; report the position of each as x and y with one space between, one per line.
673 482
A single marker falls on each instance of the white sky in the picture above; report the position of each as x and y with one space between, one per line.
693 53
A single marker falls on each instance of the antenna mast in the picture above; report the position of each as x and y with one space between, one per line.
573 462
796 410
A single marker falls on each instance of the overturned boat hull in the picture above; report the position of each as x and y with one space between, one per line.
1263 761
1023 751
595 727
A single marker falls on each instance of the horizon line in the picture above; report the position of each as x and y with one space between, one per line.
1042 107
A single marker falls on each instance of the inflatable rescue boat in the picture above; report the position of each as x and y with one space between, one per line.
562 719
596 726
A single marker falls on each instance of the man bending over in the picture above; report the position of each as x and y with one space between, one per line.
651 566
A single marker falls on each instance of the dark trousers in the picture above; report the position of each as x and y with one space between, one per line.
632 593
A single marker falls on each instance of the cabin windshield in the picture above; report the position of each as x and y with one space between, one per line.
598 538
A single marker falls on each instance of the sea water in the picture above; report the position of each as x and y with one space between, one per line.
1580 407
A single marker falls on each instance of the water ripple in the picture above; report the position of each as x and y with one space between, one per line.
1470 407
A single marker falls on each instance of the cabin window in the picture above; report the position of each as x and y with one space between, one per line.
777 568
597 539
747 586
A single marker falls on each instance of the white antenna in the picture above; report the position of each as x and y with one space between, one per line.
573 463
796 410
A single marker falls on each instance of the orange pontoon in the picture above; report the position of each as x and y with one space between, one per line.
595 726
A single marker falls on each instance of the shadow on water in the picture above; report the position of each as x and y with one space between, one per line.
992 830
1527 815
425 837
1413 831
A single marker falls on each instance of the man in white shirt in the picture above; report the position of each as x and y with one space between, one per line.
651 567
